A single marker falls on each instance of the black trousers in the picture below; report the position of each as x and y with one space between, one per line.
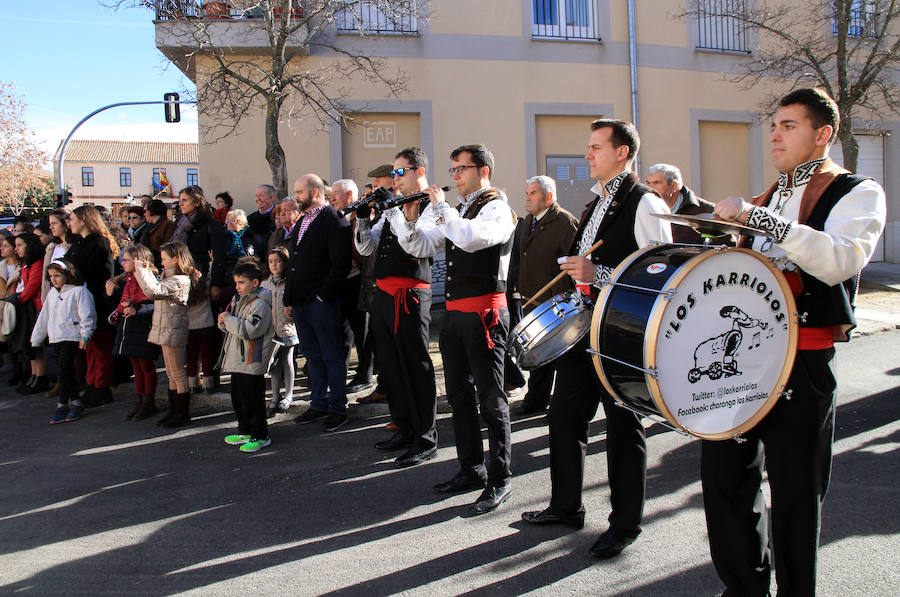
473 376
66 353
355 327
248 397
794 443
407 372
575 399
540 384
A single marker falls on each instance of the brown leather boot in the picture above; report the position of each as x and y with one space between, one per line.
54 391
148 408
138 403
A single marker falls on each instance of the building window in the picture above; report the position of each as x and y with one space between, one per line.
124 177
368 17
717 27
156 173
192 177
87 176
863 19
564 19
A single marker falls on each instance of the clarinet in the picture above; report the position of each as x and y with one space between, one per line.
386 204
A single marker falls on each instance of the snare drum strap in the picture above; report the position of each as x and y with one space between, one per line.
485 306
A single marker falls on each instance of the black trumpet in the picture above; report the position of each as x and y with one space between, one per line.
381 200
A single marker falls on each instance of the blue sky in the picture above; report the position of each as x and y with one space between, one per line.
70 57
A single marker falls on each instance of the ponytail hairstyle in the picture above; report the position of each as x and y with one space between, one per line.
66 268
184 262
94 222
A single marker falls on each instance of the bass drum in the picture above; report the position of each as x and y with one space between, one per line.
704 338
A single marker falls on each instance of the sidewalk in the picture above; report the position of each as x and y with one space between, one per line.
878 304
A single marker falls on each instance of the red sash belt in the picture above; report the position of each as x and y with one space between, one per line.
484 305
809 338
397 286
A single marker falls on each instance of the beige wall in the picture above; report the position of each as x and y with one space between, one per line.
374 139
494 17
723 153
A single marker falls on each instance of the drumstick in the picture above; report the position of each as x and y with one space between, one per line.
560 276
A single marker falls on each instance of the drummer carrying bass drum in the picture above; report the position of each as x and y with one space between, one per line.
620 214
823 224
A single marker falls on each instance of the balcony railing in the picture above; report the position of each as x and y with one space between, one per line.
564 19
172 10
718 30
368 17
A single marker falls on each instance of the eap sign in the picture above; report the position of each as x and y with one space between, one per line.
380 134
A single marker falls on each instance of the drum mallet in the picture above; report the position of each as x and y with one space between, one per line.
560 276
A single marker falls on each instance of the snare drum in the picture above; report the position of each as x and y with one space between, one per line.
705 338
552 328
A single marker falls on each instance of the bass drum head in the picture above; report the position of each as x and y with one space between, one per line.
723 346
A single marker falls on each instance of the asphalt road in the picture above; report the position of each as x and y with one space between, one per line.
105 507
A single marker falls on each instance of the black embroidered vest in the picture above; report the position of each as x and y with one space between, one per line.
481 272
818 304
392 260
617 226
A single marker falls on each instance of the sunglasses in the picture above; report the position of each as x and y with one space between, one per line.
400 172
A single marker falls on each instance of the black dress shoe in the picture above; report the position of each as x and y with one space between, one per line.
416 456
548 517
398 441
531 409
491 498
358 385
609 545
459 483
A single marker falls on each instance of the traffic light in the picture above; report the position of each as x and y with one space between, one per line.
173 109
63 198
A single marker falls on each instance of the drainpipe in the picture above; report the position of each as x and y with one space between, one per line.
632 59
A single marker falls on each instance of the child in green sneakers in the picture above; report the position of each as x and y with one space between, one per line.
246 351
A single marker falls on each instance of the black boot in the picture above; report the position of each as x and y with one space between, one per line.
26 384
40 385
97 396
171 412
182 414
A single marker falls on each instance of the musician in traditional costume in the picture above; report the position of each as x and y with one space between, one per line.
823 224
477 238
401 314
621 215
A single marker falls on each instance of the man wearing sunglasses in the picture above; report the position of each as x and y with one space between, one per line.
478 239
401 314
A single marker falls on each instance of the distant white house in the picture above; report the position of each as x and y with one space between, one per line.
106 172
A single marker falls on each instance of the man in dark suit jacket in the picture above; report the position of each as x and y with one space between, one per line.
319 246
542 236
261 221
665 179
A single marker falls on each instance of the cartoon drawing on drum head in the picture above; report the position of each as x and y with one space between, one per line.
717 355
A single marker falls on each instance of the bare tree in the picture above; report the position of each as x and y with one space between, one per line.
21 158
283 80
850 48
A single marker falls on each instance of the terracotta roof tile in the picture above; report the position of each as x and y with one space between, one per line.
131 152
